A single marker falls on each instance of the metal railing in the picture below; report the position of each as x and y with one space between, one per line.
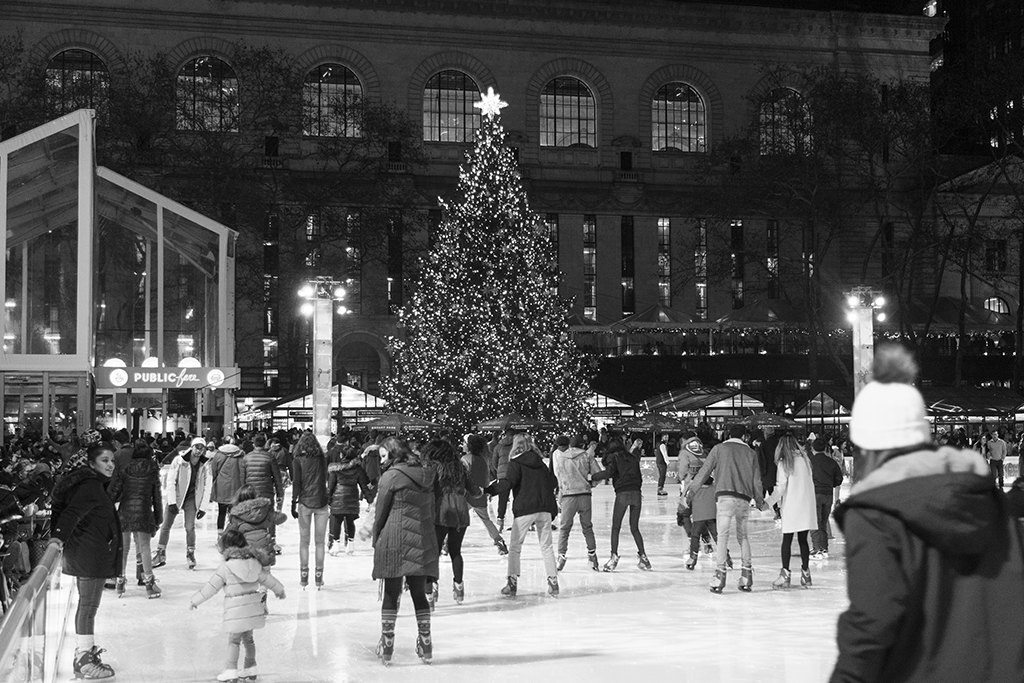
32 630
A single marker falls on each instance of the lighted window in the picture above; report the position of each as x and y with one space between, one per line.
997 305
448 111
737 257
665 261
206 96
568 114
678 119
590 266
330 95
700 269
783 122
77 79
772 258
628 267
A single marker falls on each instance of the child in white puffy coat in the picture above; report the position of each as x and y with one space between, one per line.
240 576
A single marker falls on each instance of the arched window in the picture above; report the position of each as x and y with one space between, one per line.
997 305
783 123
330 95
77 79
206 96
448 111
678 119
568 114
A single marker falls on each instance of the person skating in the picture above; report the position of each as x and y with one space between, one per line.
480 473
795 488
533 486
136 490
347 483
240 576
260 470
737 481
574 468
661 461
451 513
934 561
185 491
828 476
623 468
255 517
499 460
225 478
996 451
309 505
701 503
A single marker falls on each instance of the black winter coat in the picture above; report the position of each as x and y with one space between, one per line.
533 485
84 518
261 471
623 468
309 481
935 571
137 492
346 483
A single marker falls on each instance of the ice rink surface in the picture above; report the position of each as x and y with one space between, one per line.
626 626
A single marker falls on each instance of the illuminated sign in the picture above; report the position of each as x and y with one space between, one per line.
167 378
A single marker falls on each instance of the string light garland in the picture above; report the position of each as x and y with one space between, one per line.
485 331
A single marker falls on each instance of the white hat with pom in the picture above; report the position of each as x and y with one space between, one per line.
889 412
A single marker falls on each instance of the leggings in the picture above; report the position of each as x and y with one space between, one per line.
787 549
455 536
222 514
393 591
623 501
89 593
706 529
317 519
350 526
234 640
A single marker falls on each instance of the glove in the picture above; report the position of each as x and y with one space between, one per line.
172 509
295 510
192 606
200 514
279 596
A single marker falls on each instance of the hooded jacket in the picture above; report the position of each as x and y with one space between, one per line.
703 504
574 468
935 571
240 576
480 475
623 470
346 483
136 490
532 484
177 480
226 473
84 519
404 539
255 519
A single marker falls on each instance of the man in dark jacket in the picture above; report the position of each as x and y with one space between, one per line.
827 475
259 468
934 563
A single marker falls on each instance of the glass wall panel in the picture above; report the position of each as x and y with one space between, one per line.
191 262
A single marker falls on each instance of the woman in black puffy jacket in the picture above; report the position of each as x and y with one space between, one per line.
347 482
137 492
451 509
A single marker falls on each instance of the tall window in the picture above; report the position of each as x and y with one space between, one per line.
448 111
77 79
396 262
997 305
330 95
628 267
700 269
783 122
271 271
590 266
772 258
353 271
314 231
737 257
206 96
568 114
995 255
665 261
678 119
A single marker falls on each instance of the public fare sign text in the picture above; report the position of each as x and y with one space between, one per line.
165 378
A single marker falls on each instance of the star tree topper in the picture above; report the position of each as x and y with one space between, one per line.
490 105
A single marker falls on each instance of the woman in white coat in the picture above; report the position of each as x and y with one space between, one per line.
795 487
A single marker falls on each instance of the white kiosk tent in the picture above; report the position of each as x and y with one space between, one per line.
100 270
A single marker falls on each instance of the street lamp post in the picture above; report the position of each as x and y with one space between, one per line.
321 294
863 302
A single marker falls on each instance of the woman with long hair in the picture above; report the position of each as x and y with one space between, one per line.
405 543
136 490
623 469
309 504
451 511
795 488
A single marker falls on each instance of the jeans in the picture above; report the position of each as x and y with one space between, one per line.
350 527
580 504
236 639
141 551
627 500
819 537
520 527
706 528
454 536
188 510
732 508
89 593
318 520
662 472
485 517
997 471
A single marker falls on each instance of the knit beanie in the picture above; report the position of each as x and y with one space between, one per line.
695 446
889 412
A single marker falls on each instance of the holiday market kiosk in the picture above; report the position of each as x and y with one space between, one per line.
108 288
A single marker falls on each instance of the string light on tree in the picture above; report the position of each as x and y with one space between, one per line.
485 332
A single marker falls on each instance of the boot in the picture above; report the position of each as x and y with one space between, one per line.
612 563
746 579
303 577
458 592
644 563
190 558
152 590
248 674
87 665
119 586
560 563
139 578
424 644
318 577
159 557
553 586
386 646
228 675
805 578
783 580
502 548
509 591
692 562
718 583
592 561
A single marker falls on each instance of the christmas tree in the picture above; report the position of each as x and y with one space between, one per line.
485 331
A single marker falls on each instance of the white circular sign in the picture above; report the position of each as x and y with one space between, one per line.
118 377
215 377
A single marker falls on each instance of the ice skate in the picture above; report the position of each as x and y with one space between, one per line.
692 562
424 643
644 563
560 563
718 583
783 581
190 558
662 492
502 548
509 591
458 592
303 577
159 557
318 578
88 666
746 579
386 645
350 546
612 563
593 562
805 578
119 584
228 675
435 593
247 675
152 590
553 586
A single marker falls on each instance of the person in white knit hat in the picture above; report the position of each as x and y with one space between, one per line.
934 562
